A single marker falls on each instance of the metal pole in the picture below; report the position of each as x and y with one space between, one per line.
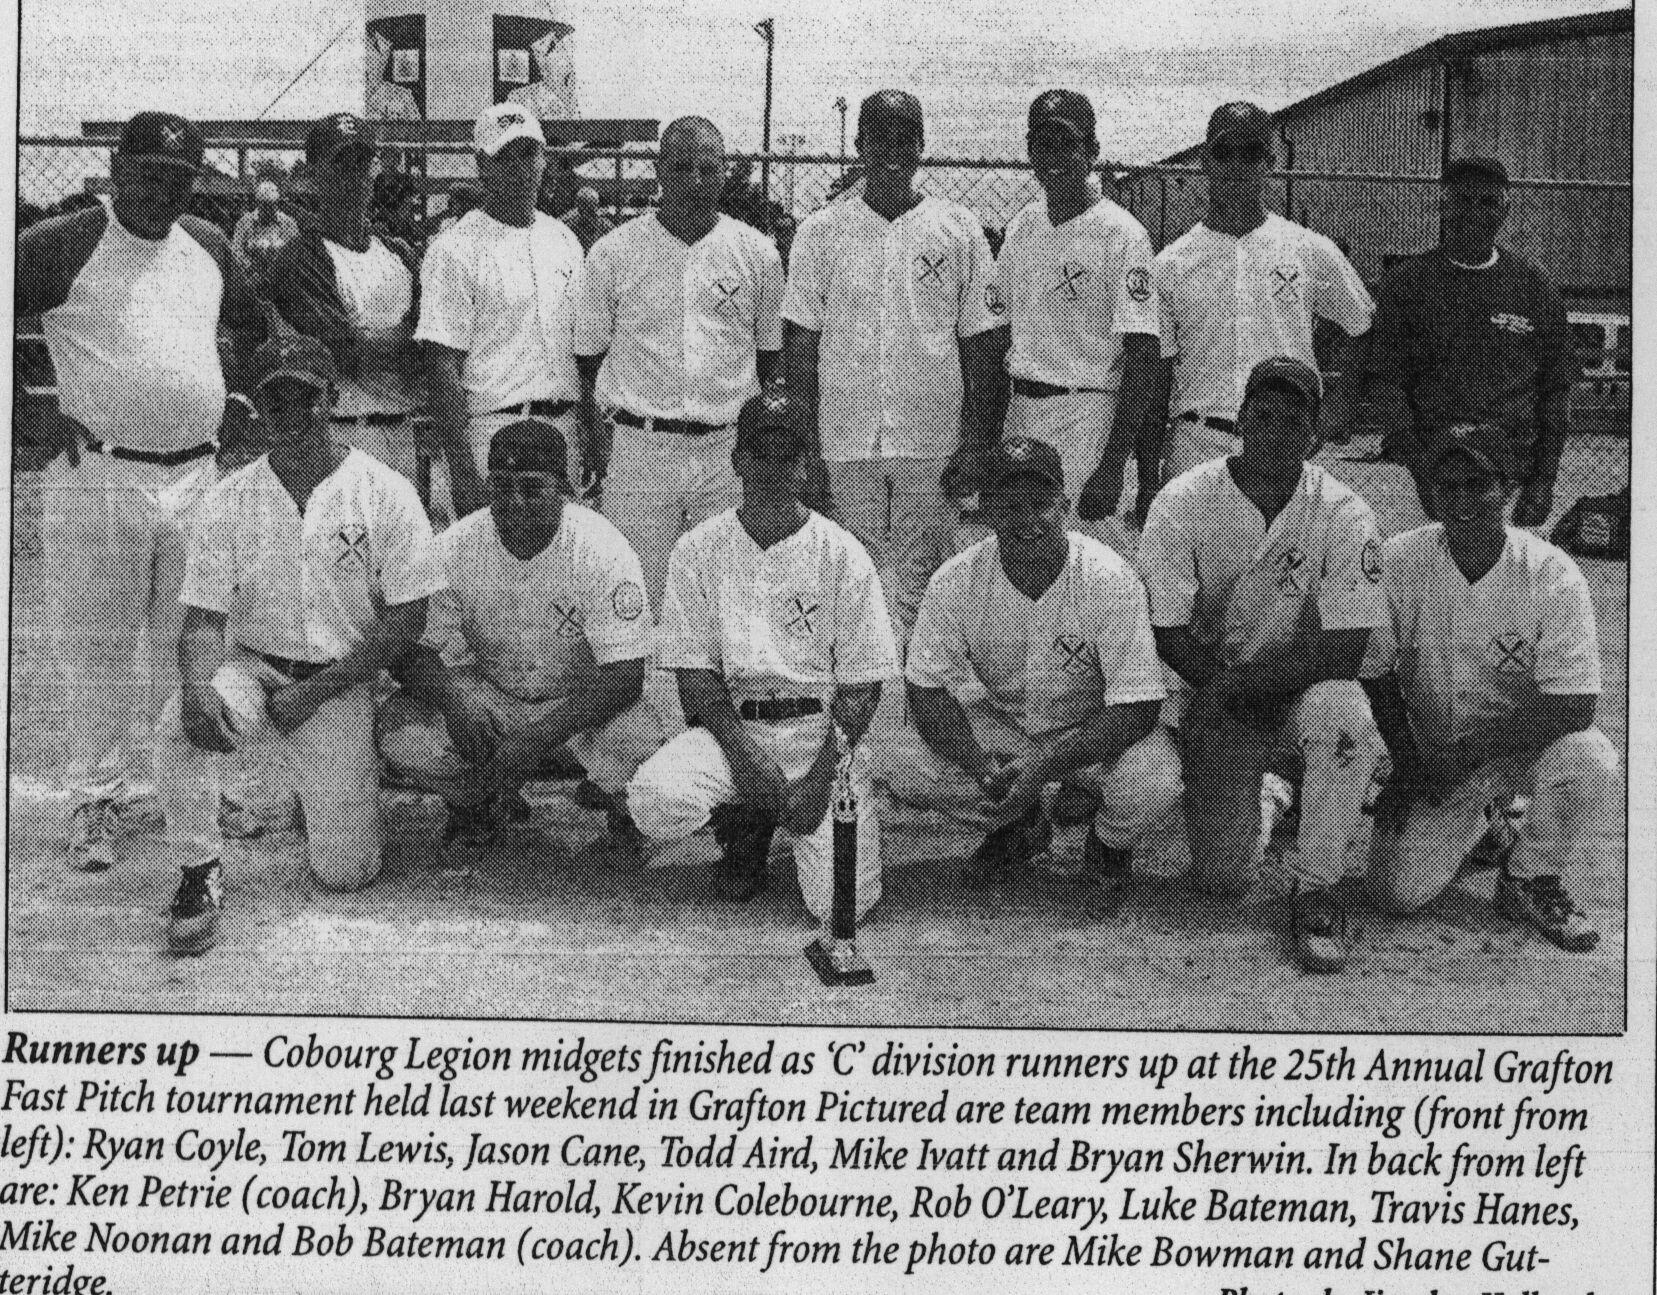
840 107
765 127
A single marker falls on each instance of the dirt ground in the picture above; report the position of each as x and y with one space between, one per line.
559 924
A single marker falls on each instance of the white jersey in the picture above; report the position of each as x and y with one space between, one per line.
1252 592
1228 303
377 292
1073 291
502 295
1470 655
679 323
538 627
891 299
793 620
305 587
1051 663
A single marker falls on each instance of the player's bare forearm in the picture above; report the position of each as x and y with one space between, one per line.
1136 398
766 366
853 709
1392 718
1330 656
943 725
1523 735
1101 739
423 674
801 347
594 448
201 652
986 388
1346 361
450 419
1553 429
385 641
597 701
1192 660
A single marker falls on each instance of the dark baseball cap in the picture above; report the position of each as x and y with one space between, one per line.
1475 168
1286 372
161 137
338 131
1240 121
1484 443
771 411
1066 110
528 445
891 107
292 355
1021 456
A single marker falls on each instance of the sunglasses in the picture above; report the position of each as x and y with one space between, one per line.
1252 154
529 486
1492 202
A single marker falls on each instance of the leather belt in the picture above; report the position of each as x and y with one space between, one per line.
298 671
170 459
1040 390
775 710
539 408
680 426
1216 424
372 420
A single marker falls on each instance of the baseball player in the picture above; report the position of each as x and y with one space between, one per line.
495 306
892 312
1484 675
777 627
308 573
1055 627
1470 332
342 283
1075 272
131 297
1243 285
678 325
1264 583
540 639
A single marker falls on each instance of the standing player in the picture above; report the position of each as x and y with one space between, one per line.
1484 677
1055 627
1265 585
540 639
1075 272
892 311
342 283
131 297
495 304
308 574
1241 286
677 326
777 628
1470 332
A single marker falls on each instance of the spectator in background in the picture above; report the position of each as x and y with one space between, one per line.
462 199
558 188
783 232
585 220
263 232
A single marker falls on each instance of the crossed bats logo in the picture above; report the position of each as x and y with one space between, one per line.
1285 282
1512 652
800 615
351 541
1071 274
730 291
930 267
1291 565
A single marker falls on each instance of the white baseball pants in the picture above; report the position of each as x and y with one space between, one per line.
1077 424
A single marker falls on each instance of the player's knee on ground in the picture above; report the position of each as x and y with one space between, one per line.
1408 873
349 862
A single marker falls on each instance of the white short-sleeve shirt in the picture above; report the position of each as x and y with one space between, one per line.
891 299
305 587
1073 291
679 324
1469 655
1228 303
793 620
1051 663
503 295
1253 592
377 291
538 627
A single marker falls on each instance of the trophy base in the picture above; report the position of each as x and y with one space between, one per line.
837 962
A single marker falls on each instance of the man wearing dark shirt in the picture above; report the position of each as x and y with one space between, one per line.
1471 332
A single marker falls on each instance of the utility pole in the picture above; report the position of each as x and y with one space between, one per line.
840 107
767 30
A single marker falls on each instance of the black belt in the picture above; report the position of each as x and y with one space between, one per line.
539 408
298 671
1040 390
681 426
372 420
1217 424
168 460
775 710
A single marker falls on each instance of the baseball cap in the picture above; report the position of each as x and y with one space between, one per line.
1484 168
333 134
292 355
891 107
1286 371
1021 456
502 123
1065 109
1484 443
266 191
528 445
771 411
1240 120
161 137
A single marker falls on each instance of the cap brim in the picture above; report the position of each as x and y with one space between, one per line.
298 375
512 133
1023 474
166 159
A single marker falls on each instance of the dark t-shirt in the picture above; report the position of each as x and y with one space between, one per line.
1472 345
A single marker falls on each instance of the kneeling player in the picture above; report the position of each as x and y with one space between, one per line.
1484 679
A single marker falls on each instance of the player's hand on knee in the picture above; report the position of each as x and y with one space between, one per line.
290 707
203 718
808 800
472 728
761 785
1016 785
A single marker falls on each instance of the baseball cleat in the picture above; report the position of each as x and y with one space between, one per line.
469 828
1004 849
1318 929
92 828
1106 876
741 872
193 927
1547 905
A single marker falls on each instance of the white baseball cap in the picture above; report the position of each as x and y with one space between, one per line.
499 125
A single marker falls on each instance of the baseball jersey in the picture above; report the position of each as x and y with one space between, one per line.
503 296
305 587
1253 592
679 323
1467 655
792 620
1227 303
1051 663
537 627
891 298
132 324
1073 290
